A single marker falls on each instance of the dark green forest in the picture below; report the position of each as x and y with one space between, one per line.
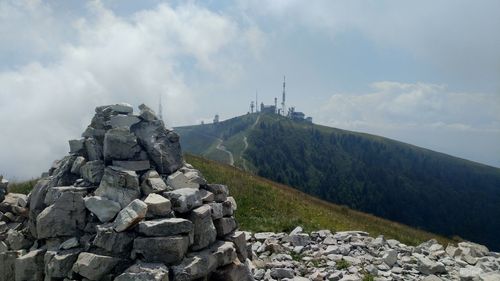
394 180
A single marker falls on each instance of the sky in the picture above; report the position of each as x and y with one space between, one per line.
421 72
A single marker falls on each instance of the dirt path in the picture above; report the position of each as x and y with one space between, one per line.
245 141
223 149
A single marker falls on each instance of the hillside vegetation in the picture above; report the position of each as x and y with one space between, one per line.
264 205
387 178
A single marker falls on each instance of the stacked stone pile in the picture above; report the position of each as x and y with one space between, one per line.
354 255
123 205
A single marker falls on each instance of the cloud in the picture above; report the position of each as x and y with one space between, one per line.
107 59
429 115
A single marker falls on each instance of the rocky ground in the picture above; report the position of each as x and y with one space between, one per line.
354 255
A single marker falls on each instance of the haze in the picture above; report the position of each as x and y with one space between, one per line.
424 72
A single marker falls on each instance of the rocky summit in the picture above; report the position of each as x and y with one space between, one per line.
354 255
123 205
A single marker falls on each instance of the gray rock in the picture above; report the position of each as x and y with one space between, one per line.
239 241
120 144
131 215
104 209
473 249
220 191
123 108
55 192
70 243
158 205
162 145
59 264
3 247
204 229
66 217
77 146
94 149
390 257
235 271
77 165
178 180
30 266
165 227
113 242
94 267
144 272
206 196
184 199
280 273
17 241
469 273
167 250
152 183
119 185
7 265
427 266
146 113
123 121
217 210
225 226
139 165
432 277
61 175
300 239
199 264
93 171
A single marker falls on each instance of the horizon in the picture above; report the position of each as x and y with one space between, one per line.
413 72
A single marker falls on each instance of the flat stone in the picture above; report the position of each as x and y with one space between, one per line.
120 120
237 271
469 273
77 146
162 145
280 273
139 165
217 210
55 192
225 226
77 165
184 199
158 205
70 243
123 108
204 229
152 183
144 272
94 149
59 264
119 185
147 113
178 180
93 171
131 215
220 191
239 240
390 257
427 266
66 217
30 266
199 264
167 250
93 266
103 208
165 227
114 242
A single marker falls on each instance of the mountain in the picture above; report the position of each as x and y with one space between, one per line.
394 180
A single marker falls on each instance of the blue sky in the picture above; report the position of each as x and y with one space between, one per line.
423 72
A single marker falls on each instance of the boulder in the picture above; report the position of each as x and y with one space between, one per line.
427 266
119 185
184 199
59 264
199 264
120 144
104 209
70 243
204 229
152 183
165 227
235 271
7 265
146 113
138 165
61 175
92 171
121 120
167 250
17 240
77 146
55 192
220 191
93 149
390 257
217 210
77 165
94 267
66 217
30 266
113 242
121 108
225 226
144 272
178 180
239 240
158 205
162 145
131 215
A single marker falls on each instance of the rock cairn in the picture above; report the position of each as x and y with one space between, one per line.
354 255
123 205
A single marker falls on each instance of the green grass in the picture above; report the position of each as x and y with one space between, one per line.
342 264
264 205
368 277
22 187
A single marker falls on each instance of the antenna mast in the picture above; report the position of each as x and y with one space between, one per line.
283 101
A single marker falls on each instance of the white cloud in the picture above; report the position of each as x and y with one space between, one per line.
107 59
429 115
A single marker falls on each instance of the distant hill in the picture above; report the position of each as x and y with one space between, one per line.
394 180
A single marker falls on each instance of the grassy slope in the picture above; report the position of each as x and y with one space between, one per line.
264 205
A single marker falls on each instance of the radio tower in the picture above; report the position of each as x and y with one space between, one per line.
283 101
160 110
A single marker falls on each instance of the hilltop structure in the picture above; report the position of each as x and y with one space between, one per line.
123 205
